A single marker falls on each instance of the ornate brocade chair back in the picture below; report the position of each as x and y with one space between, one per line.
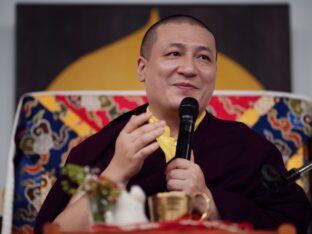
49 124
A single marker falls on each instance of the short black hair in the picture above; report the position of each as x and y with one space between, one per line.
150 36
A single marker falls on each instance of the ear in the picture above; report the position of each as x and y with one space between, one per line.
141 68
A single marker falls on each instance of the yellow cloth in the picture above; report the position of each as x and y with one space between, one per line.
167 143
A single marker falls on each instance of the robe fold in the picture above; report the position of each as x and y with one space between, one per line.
230 155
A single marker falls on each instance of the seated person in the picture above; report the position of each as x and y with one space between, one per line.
178 59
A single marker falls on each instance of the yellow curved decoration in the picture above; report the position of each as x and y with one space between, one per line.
113 67
232 75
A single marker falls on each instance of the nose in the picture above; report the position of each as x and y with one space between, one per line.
188 67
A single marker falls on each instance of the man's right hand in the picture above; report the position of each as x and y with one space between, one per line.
135 142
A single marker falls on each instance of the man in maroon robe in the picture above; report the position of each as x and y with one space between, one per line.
178 59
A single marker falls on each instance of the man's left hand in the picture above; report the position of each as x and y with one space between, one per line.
185 175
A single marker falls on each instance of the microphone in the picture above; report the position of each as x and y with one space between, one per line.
273 181
188 112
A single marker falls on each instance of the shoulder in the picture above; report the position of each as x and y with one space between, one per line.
229 128
238 135
238 147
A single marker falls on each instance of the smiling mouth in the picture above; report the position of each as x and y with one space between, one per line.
183 85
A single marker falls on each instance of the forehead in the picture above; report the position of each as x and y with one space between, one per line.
186 33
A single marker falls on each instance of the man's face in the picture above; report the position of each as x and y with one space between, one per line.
182 63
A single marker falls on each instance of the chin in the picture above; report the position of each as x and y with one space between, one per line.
175 103
193 96
176 97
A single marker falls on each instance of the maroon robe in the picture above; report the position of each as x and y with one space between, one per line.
230 155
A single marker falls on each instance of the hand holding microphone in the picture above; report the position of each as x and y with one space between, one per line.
185 175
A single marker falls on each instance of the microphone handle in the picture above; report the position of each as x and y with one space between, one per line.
295 173
273 181
184 143
291 176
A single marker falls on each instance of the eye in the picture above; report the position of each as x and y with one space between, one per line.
174 54
204 57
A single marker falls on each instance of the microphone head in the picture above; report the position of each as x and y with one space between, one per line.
189 107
